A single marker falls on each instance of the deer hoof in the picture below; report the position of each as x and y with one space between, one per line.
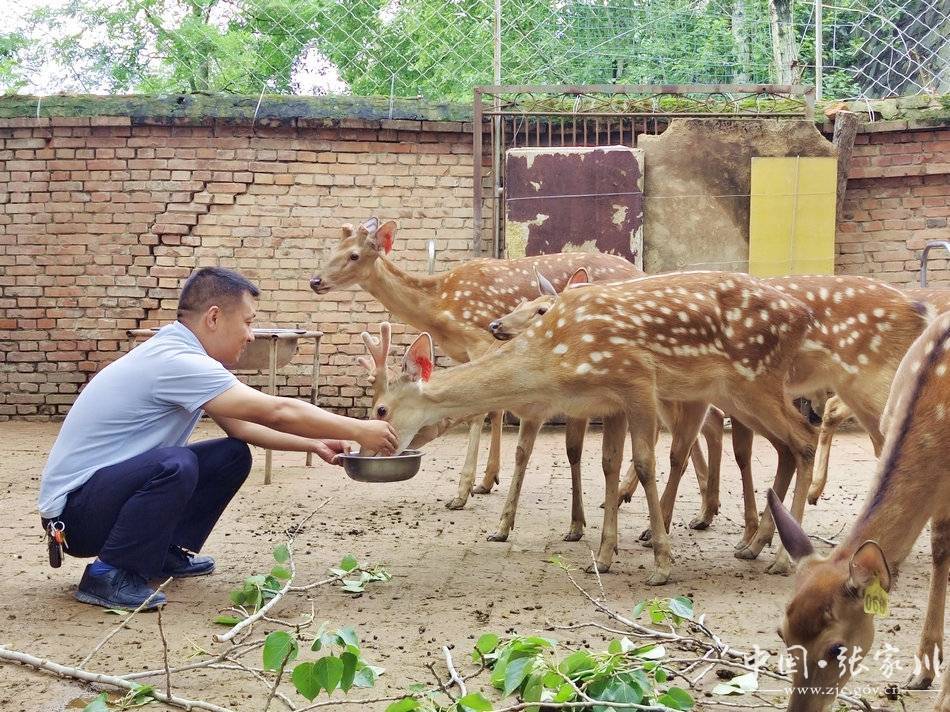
457 503
498 536
574 534
481 489
646 535
920 681
746 552
701 522
813 498
780 567
658 578
598 568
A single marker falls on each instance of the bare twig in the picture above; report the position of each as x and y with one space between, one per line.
600 583
443 686
124 623
226 655
258 675
280 674
452 671
103 679
168 676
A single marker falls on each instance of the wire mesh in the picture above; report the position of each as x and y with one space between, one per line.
441 49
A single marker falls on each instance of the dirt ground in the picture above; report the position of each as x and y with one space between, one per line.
449 584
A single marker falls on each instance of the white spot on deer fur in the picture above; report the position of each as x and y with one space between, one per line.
941 370
589 338
584 368
548 334
849 292
810 296
748 322
596 356
530 333
823 293
618 340
561 322
466 314
915 366
560 349
863 359
875 342
879 312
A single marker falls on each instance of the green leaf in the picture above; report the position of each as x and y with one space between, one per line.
682 607
366 677
280 648
350 662
99 704
353 586
638 609
280 572
660 675
348 636
565 693
227 620
532 690
282 555
650 652
349 563
677 698
329 672
305 680
406 704
516 672
577 663
474 702
739 685
486 644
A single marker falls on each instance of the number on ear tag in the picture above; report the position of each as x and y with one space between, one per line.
875 599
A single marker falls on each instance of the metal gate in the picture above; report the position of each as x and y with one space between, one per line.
599 115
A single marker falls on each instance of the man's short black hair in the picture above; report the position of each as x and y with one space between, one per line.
213 285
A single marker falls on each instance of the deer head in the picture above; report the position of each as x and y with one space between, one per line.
527 312
353 257
825 626
376 365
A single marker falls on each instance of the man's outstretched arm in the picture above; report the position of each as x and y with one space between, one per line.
293 417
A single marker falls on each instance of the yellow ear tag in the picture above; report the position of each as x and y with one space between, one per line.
875 599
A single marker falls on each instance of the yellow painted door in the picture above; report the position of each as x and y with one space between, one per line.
792 216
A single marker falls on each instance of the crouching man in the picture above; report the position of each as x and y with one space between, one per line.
122 484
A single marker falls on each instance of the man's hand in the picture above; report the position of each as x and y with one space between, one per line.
377 437
330 450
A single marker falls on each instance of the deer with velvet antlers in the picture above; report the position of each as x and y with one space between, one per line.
826 618
616 349
454 307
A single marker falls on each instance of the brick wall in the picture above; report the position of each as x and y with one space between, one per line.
898 199
101 218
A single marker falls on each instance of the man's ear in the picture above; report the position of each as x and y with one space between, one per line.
417 363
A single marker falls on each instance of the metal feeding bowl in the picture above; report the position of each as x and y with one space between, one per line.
394 468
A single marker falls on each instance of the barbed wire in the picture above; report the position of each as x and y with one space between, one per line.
441 49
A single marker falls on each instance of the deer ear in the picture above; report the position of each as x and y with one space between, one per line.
579 277
544 285
385 235
417 363
347 230
794 538
869 563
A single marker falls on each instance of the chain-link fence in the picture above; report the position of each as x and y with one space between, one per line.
440 49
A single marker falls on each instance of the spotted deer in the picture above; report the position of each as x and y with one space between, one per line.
862 329
614 350
454 307
670 413
837 412
826 617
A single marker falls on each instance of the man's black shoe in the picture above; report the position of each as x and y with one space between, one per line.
117 589
180 564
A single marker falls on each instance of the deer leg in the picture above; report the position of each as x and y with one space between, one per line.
575 430
943 702
687 420
467 477
612 458
712 430
527 432
833 415
930 650
869 416
493 465
742 438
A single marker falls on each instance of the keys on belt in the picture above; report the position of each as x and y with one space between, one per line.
56 542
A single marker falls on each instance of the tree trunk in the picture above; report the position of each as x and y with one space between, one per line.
784 52
741 40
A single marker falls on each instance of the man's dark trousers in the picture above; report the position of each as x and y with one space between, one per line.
129 514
